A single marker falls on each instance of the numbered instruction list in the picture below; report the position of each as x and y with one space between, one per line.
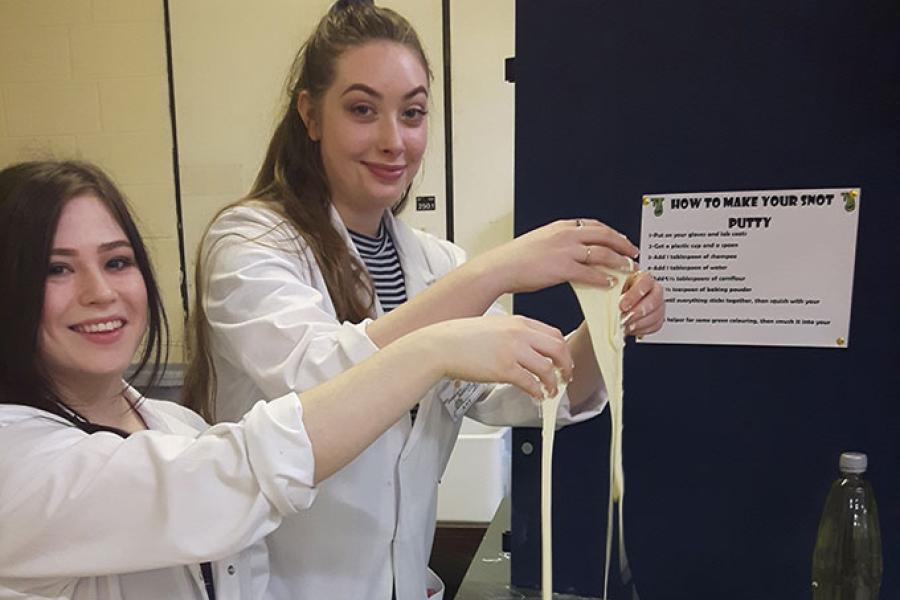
771 268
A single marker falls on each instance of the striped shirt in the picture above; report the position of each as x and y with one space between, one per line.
383 263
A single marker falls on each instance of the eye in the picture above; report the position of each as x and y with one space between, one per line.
362 110
414 114
120 263
58 269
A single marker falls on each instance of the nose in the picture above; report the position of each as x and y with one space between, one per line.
96 288
390 139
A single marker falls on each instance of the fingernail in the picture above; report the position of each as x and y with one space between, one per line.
611 281
636 254
626 318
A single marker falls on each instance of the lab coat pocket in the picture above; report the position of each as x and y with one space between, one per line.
434 585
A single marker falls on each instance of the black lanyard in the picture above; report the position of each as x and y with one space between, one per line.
206 570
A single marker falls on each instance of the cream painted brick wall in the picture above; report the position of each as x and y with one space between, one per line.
118 50
164 254
33 53
139 104
213 180
135 158
87 79
16 149
27 13
482 36
2 118
128 10
156 217
52 108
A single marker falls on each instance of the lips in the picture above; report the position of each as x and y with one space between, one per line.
102 331
386 173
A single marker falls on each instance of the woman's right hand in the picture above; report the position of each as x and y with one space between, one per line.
563 251
502 349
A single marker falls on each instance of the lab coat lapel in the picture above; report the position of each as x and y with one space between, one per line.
416 272
418 275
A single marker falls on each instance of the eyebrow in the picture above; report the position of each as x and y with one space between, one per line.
361 87
103 248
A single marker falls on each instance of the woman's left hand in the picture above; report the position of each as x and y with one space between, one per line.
642 304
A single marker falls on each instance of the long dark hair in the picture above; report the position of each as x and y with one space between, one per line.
32 198
293 183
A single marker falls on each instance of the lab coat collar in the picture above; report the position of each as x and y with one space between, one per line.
411 252
11 414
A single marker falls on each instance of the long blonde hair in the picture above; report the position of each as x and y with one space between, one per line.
292 180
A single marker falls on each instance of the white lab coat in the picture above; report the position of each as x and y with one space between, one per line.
99 517
273 328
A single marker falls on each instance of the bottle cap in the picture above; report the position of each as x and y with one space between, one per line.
853 462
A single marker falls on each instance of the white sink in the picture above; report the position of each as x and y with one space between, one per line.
477 475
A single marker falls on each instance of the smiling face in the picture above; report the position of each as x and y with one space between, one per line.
372 127
95 301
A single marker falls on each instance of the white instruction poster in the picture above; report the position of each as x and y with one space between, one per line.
761 268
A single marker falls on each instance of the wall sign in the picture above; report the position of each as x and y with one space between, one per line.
425 203
762 268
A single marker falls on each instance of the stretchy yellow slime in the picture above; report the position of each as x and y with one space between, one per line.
601 312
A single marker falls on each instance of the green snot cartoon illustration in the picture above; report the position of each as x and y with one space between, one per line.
657 206
849 200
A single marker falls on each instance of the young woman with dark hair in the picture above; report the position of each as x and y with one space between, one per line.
34 195
106 494
314 263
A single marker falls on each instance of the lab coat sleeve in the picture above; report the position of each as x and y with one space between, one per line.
504 404
266 313
73 504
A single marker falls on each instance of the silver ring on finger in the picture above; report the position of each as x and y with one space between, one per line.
587 255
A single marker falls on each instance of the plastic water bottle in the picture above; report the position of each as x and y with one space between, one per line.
847 560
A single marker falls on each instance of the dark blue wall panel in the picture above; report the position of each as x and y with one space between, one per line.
729 451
